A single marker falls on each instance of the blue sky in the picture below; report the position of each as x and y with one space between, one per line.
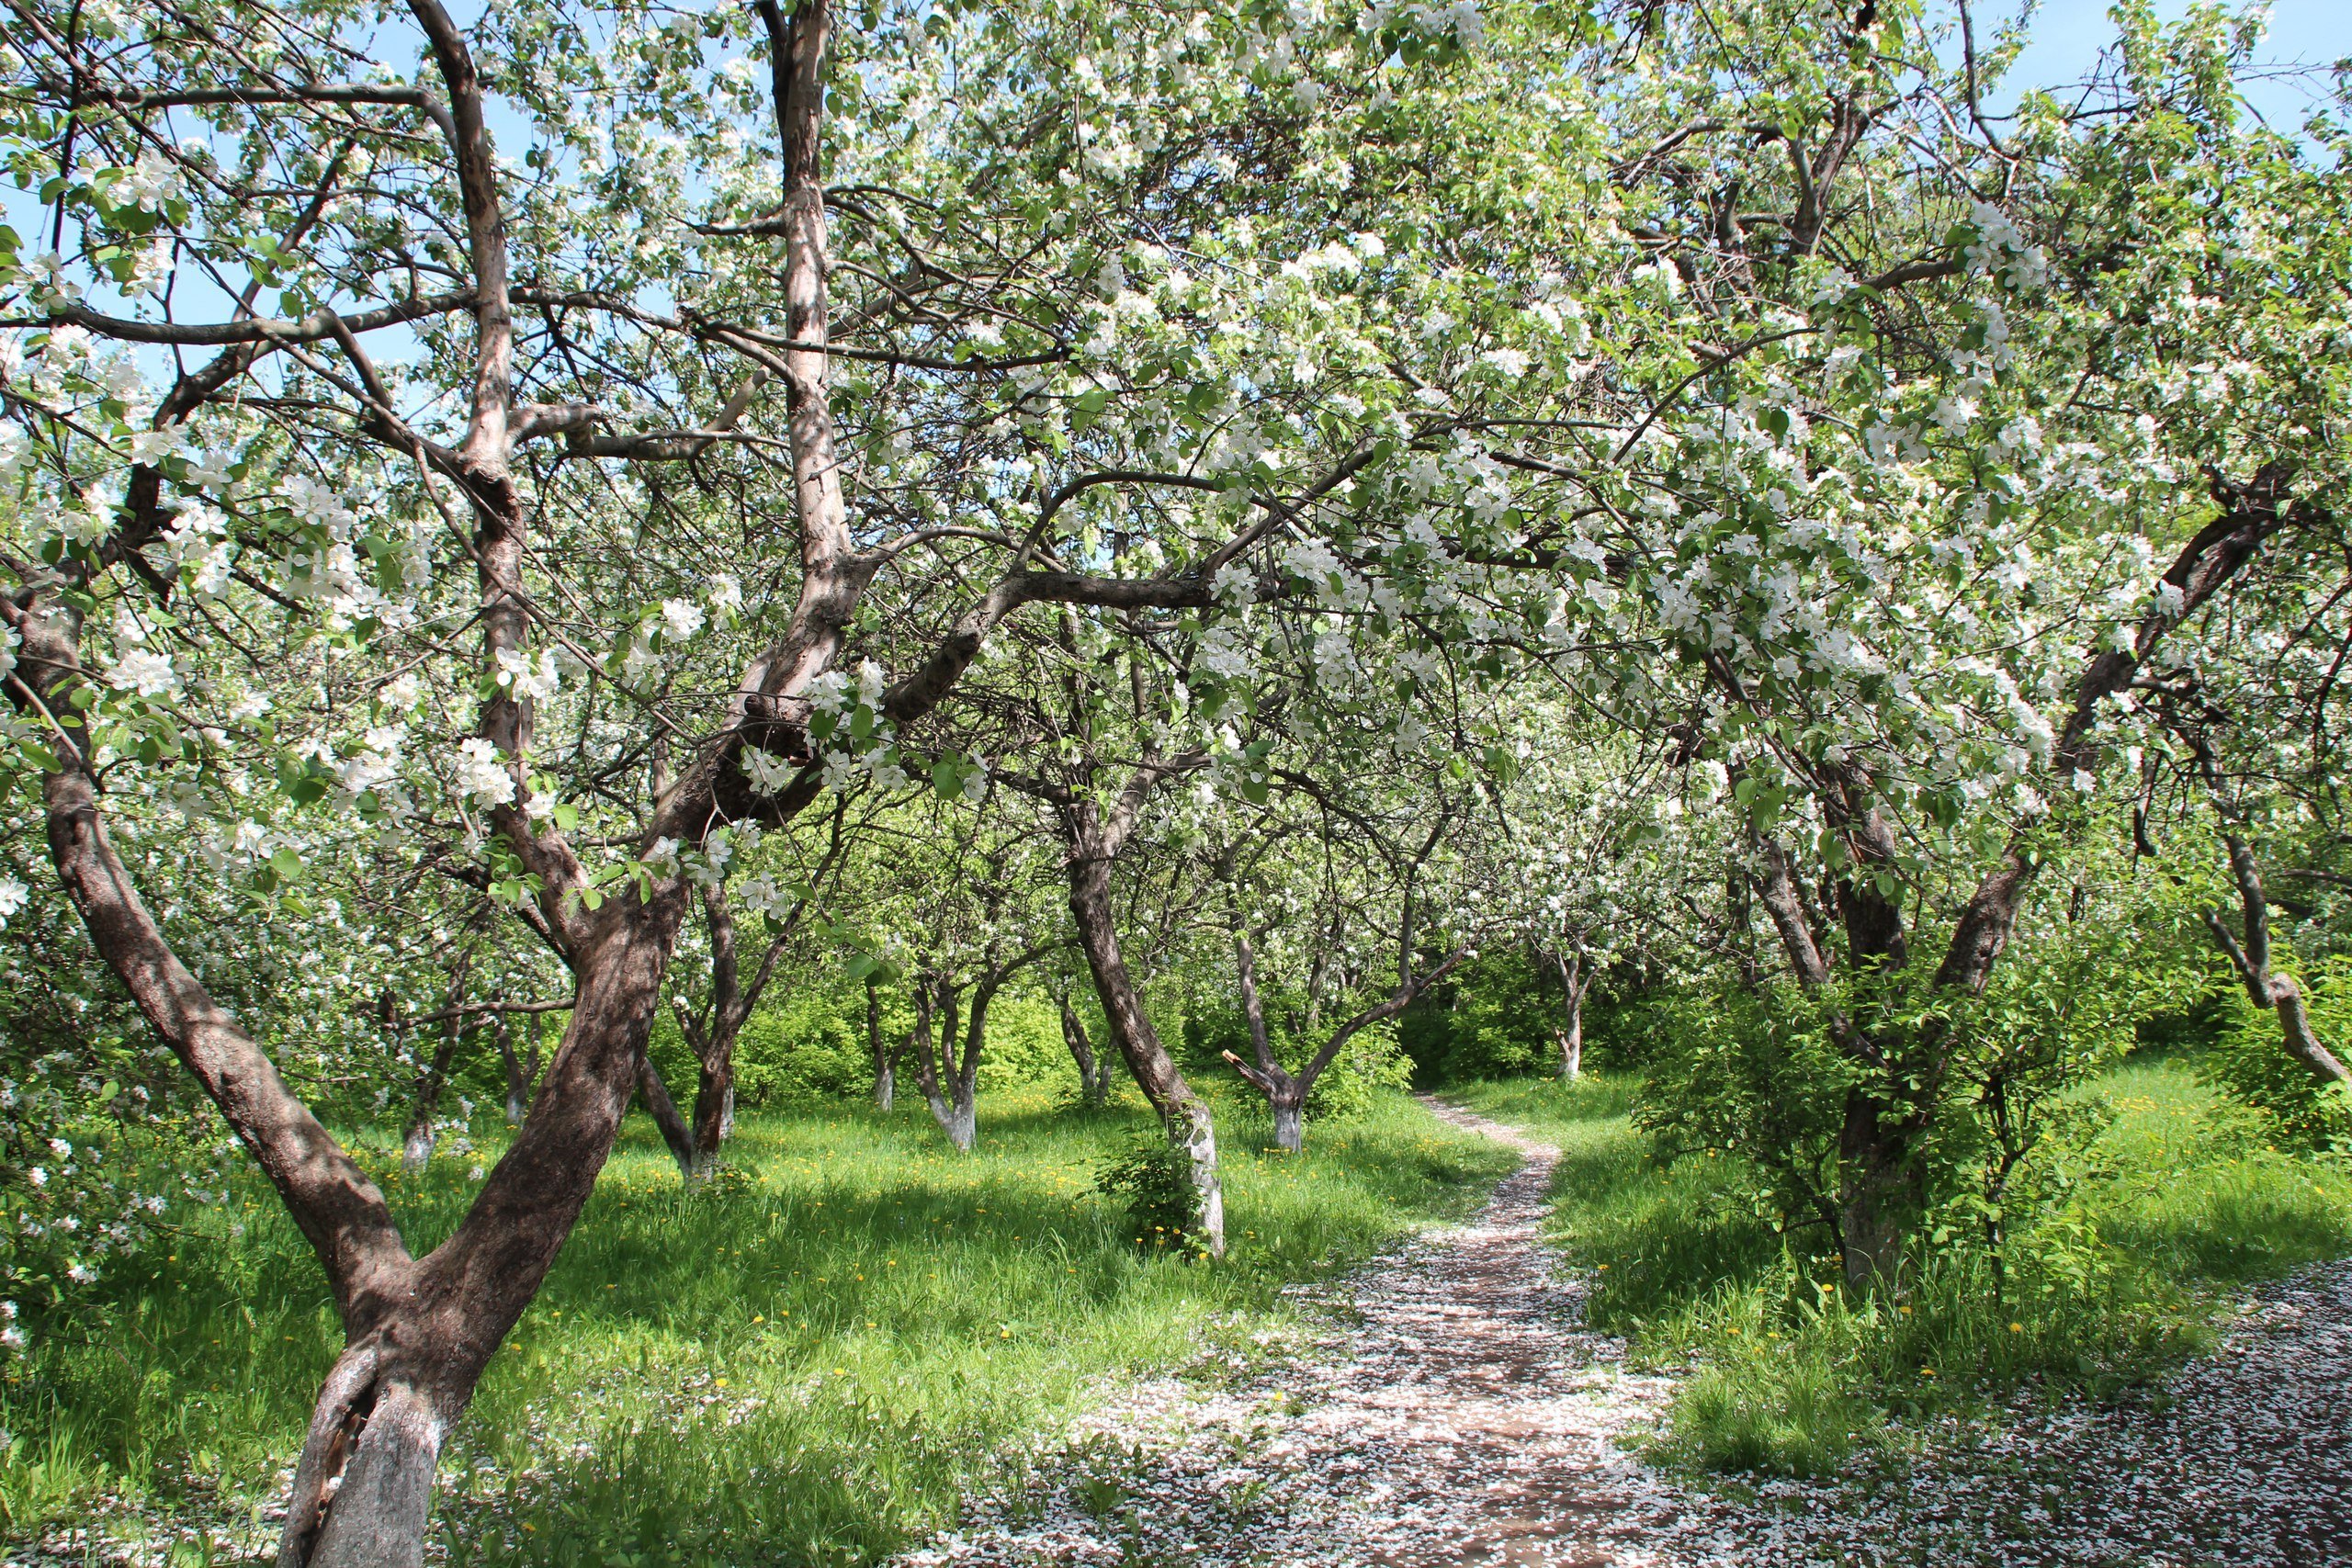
2067 35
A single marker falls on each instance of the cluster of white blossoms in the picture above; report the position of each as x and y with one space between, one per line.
2001 249
483 777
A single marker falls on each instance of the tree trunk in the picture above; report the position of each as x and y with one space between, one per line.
416 1147
654 1094
885 1057
1880 1196
713 1107
364 1484
936 1004
1182 1110
1290 1123
1093 1072
521 1074
424 1107
1571 1038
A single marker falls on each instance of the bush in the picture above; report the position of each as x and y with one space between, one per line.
1153 1183
2249 1061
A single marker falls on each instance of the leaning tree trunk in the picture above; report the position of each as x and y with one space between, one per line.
1183 1111
654 1094
1093 1071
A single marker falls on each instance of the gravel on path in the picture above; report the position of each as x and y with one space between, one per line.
1451 1408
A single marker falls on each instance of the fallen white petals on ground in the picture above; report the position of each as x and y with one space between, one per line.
1454 1410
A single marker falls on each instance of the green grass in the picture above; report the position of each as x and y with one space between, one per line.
806 1365
2179 1199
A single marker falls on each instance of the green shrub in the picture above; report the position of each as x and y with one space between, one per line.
2250 1061
1152 1182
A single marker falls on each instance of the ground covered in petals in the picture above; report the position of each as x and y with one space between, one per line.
1454 1409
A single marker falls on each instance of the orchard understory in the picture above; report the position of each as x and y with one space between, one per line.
993 627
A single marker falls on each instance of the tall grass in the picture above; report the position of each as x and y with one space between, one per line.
2181 1196
806 1364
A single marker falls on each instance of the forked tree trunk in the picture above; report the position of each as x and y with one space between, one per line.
1286 1091
364 1484
1881 1184
1570 1036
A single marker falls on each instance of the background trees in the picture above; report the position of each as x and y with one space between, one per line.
1674 506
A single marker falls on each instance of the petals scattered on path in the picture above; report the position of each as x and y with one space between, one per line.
1454 1410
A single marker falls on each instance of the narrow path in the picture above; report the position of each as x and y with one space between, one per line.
1454 1411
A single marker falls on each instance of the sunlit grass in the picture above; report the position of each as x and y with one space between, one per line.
806 1364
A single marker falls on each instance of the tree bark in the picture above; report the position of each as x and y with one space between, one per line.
1093 1072
1094 842
654 1094
1571 1035
2267 989
884 1056
1886 1121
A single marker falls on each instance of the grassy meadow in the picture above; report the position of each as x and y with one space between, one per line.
805 1364
2179 1199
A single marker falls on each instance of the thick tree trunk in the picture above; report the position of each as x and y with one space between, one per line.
1182 1110
1880 1197
1290 1123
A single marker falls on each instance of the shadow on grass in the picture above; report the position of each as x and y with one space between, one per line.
805 1362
